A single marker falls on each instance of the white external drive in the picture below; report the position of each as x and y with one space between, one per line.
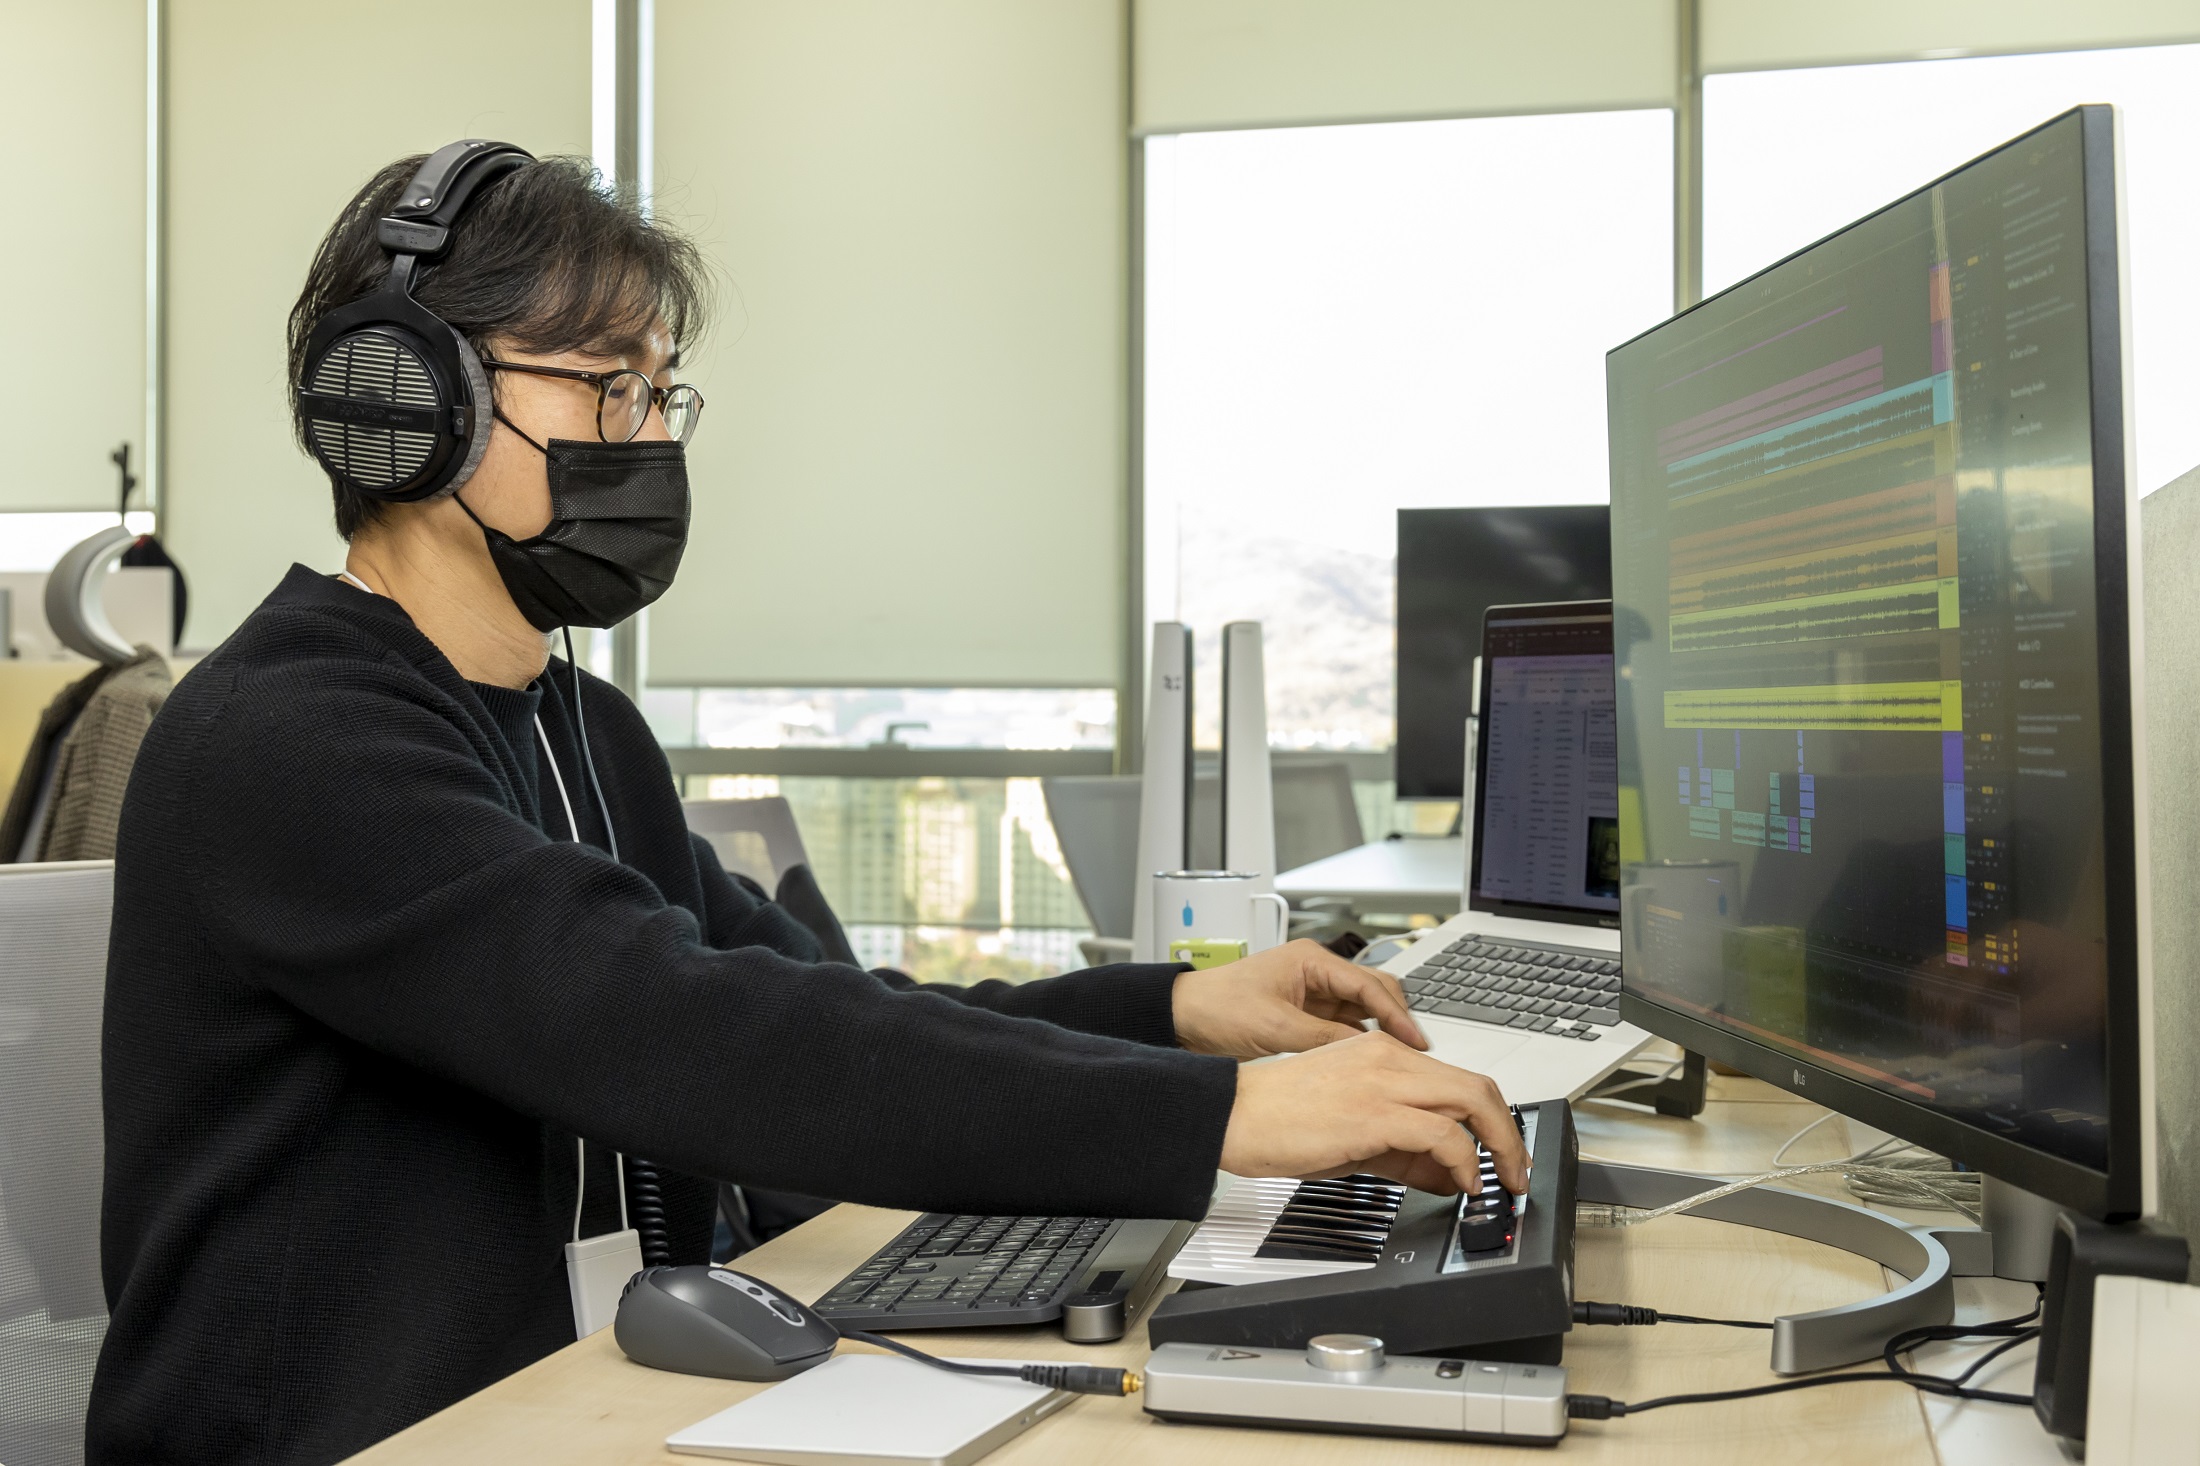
873 1410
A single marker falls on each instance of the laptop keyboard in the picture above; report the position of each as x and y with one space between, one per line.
1544 989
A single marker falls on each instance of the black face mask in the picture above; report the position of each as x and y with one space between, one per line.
618 525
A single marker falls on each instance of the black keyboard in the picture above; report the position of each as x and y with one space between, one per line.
964 1271
1565 991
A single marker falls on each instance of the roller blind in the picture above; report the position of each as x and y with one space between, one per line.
72 105
911 470
1205 64
1771 35
277 112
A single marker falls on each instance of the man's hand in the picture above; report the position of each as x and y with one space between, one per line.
1286 1000
1369 1103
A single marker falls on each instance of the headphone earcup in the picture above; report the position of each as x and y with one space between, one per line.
480 422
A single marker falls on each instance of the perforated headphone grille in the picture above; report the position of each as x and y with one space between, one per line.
373 368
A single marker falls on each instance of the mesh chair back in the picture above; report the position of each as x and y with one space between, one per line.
756 838
1316 816
53 1313
1096 820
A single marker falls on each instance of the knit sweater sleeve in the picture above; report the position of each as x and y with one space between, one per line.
360 861
1127 1000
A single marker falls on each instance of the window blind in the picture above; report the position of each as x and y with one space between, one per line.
1207 64
1772 35
911 470
72 104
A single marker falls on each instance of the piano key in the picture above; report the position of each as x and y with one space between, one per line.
1296 1251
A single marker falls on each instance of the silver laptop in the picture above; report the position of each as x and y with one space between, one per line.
1524 984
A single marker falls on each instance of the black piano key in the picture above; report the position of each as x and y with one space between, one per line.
1317 1252
1354 1236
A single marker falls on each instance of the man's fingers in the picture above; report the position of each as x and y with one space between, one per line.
1304 1031
1375 992
1437 1087
1449 1150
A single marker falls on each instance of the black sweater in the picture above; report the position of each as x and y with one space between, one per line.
363 993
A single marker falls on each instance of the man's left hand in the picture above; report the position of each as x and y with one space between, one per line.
1286 1000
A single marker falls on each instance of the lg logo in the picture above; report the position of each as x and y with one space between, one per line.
1799 1079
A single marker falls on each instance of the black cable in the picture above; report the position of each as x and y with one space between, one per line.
645 1186
1078 1379
2017 1330
1629 1315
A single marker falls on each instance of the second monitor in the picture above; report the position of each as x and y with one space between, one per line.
1453 565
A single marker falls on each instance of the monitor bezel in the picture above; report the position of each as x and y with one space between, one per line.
1524 910
2119 1192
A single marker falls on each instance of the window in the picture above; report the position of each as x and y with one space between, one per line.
1790 156
947 879
1344 321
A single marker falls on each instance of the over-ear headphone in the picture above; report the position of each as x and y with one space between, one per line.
394 401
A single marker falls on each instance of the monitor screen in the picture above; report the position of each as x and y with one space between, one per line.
1547 791
1454 564
1869 527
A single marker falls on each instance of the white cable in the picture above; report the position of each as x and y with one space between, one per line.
580 1184
1789 1144
618 1160
572 830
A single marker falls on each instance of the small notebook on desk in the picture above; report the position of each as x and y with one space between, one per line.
873 1410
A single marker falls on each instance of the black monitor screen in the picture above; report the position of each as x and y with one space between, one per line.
1872 624
1547 800
1453 565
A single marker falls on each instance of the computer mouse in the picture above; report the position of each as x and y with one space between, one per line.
714 1321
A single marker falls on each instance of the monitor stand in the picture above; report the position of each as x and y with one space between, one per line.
1679 1094
1930 1258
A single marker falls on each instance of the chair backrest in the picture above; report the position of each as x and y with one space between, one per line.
756 838
1095 818
53 1312
1315 814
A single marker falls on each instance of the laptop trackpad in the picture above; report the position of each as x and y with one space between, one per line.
1473 1046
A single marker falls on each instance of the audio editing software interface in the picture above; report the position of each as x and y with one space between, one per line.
1854 577
1550 799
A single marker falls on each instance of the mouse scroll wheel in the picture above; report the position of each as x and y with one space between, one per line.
786 1310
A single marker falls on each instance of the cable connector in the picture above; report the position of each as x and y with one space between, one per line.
1594 1407
1624 1314
1083 1379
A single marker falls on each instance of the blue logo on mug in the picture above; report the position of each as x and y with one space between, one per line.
1187 913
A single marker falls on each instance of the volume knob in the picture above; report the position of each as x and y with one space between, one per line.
1345 1353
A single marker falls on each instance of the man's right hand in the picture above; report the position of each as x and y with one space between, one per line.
1371 1104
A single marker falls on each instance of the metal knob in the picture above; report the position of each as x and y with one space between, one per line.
1345 1353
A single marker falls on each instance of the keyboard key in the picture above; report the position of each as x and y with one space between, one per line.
1485 1013
1604 1017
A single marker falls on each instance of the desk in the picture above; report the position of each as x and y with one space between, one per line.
588 1403
1410 876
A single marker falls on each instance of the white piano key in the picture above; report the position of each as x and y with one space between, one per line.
1221 1251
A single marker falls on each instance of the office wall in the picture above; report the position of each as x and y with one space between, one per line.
72 106
2169 520
912 465
276 113
1769 35
1204 64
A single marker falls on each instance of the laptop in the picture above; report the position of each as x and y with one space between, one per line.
1524 984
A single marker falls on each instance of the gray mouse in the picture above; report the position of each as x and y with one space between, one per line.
710 1320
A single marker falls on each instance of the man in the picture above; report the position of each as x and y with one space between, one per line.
405 907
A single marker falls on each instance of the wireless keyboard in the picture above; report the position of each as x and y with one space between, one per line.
1557 990
947 1272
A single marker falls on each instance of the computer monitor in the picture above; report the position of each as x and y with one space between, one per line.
1454 564
1546 795
1875 586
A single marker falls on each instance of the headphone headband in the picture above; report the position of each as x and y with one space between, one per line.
420 224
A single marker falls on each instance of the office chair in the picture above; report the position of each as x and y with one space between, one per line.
1095 819
756 838
53 1311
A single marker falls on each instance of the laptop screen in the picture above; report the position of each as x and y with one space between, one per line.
1547 765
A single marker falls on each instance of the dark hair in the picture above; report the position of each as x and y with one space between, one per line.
548 259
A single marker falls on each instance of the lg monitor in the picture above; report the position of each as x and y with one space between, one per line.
1453 565
1875 608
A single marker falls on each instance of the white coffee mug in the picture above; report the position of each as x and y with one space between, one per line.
1216 906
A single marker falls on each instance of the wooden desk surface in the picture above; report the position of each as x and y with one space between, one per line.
589 1403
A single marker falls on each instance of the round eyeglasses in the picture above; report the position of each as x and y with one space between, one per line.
623 400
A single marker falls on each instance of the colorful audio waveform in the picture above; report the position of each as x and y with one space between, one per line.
1931 707
1925 606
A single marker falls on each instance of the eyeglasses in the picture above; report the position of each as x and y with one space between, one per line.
623 400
